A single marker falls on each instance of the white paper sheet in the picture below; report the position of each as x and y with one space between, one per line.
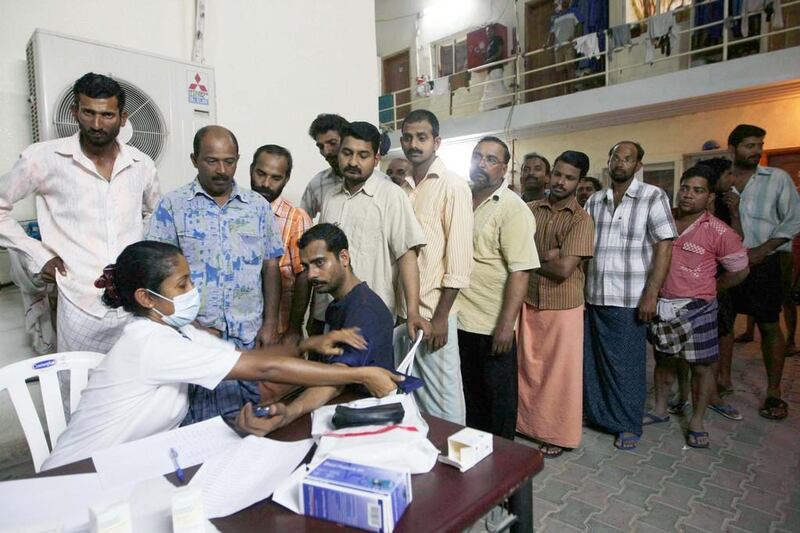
147 458
247 474
61 503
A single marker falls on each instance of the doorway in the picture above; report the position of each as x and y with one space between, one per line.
396 77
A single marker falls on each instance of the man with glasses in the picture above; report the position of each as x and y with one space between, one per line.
634 230
504 256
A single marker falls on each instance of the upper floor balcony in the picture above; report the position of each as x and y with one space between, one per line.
691 56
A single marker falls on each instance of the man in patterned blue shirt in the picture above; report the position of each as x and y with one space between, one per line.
233 247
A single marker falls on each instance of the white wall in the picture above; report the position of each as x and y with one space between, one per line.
278 64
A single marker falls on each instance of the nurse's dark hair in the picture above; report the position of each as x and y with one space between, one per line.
141 265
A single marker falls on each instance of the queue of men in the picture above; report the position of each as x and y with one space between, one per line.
536 310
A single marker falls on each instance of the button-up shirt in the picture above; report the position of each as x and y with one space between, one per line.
624 240
769 208
442 202
226 248
320 185
570 230
502 243
696 253
84 219
380 226
292 223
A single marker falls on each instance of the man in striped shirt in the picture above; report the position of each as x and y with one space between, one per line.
442 203
269 173
633 247
769 211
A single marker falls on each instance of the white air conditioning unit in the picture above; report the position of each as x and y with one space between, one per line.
167 99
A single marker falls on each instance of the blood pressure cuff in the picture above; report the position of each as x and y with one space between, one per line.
345 417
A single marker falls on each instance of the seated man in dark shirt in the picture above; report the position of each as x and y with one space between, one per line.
324 254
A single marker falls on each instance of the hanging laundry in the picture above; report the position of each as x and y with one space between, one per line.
620 37
772 10
587 45
660 33
440 86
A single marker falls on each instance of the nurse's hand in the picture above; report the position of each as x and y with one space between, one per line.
327 344
248 422
379 381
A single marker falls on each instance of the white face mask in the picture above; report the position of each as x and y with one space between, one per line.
186 306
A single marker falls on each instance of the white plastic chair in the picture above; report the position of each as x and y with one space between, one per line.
46 368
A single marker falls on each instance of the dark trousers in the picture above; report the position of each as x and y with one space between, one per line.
490 384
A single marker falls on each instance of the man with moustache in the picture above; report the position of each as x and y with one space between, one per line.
398 169
326 258
93 197
587 187
769 212
269 174
230 240
534 177
633 246
326 130
505 254
551 322
443 205
383 233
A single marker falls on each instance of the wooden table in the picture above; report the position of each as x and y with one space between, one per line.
444 498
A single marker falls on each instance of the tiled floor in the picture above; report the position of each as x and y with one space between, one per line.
748 480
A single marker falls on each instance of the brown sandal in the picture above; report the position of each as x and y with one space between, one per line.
774 409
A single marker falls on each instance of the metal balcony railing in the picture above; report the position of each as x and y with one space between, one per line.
523 84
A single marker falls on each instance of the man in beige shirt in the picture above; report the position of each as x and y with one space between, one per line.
443 204
505 254
379 222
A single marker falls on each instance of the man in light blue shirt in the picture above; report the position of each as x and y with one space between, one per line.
233 246
768 206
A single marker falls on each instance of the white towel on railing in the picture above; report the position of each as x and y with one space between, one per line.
587 45
751 7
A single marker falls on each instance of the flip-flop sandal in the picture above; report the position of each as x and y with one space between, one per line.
549 450
728 411
774 409
626 443
693 436
650 419
677 407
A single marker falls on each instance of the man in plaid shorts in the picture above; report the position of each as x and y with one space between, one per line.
686 326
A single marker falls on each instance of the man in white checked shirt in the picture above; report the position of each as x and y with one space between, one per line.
92 196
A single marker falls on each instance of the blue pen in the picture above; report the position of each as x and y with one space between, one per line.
173 453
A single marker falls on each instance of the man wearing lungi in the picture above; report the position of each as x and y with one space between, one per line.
686 326
551 324
633 234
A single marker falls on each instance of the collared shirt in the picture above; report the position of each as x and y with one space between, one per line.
570 230
292 223
320 185
624 240
84 219
502 243
226 248
769 208
380 226
442 202
696 253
